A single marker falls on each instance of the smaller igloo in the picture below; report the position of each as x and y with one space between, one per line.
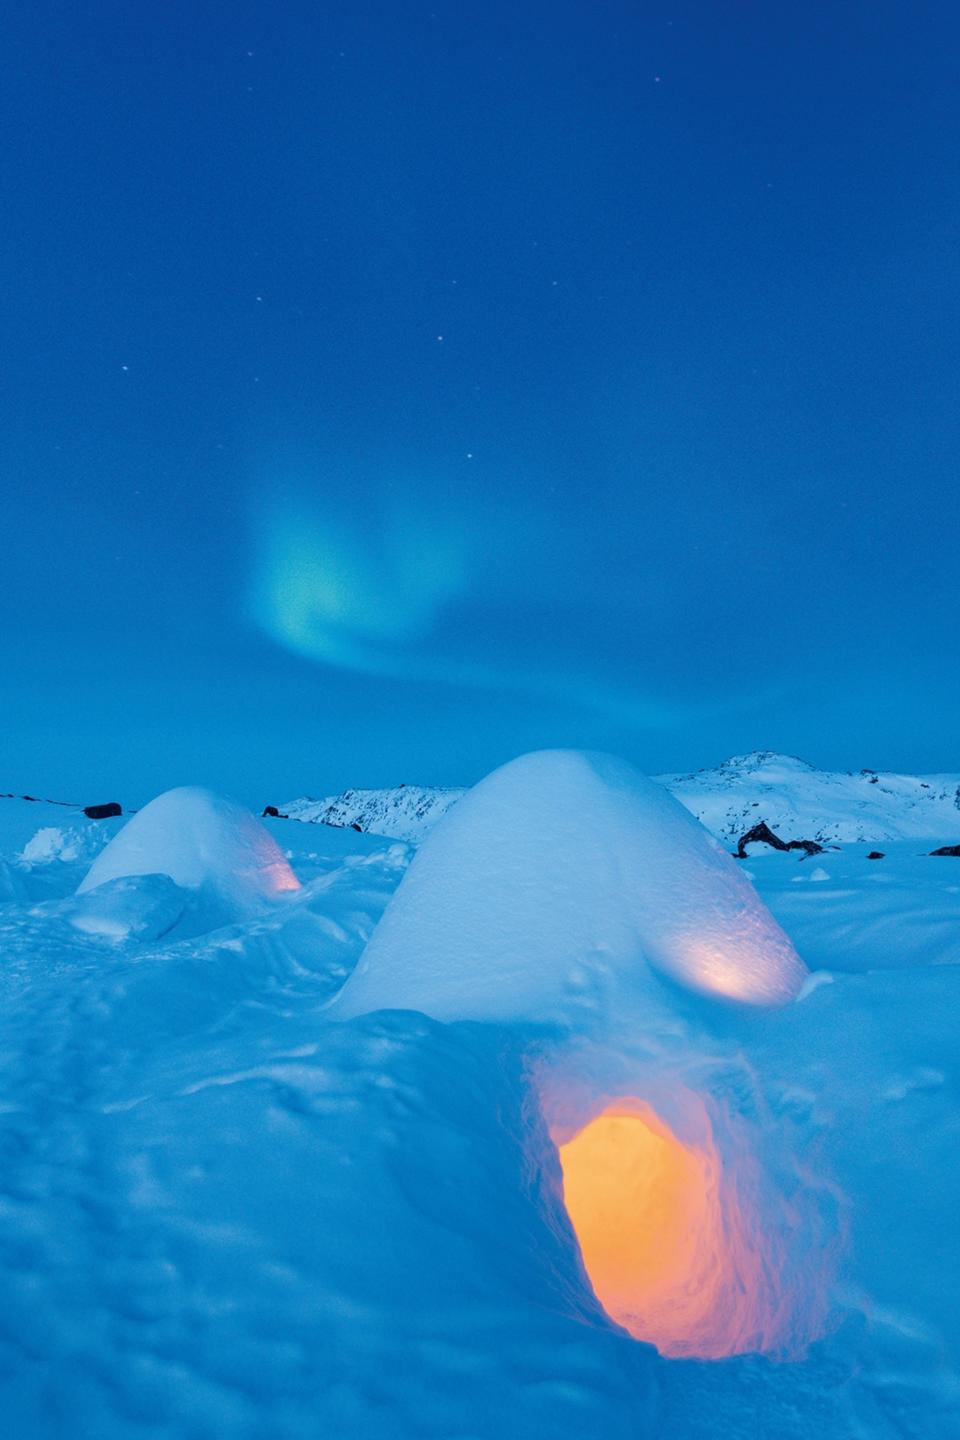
204 843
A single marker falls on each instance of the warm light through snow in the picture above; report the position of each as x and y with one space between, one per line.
735 976
281 879
671 1252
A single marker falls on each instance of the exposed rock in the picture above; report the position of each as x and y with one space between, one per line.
103 812
947 850
876 855
810 846
761 834
273 811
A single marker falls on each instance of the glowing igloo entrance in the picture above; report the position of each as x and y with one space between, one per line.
682 1249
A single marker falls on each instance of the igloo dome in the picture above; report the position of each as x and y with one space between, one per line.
559 876
203 842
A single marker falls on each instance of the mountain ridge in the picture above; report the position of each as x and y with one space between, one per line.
793 797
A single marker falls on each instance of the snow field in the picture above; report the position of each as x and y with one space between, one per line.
225 1214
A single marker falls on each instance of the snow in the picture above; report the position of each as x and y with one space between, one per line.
406 812
799 802
555 885
226 1215
143 907
900 912
50 843
80 841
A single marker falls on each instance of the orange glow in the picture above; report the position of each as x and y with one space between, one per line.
283 880
671 1256
718 974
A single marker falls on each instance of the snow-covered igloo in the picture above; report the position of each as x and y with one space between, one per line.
206 844
559 882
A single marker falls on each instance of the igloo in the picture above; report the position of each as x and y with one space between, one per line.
557 883
556 892
204 843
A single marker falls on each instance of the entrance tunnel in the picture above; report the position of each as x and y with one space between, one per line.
686 1251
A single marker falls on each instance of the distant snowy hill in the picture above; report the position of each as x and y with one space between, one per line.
795 799
406 812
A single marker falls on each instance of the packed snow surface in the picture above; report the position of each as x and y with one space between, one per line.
225 1216
500 918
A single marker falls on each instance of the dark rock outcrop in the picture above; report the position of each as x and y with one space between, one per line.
947 850
272 811
103 812
876 855
761 834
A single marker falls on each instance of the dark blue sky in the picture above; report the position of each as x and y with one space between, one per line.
392 388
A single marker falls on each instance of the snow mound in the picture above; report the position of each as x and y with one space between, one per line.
49 843
203 842
64 843
405 812
131 907
549 885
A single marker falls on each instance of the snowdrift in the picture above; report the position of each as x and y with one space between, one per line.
553 885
